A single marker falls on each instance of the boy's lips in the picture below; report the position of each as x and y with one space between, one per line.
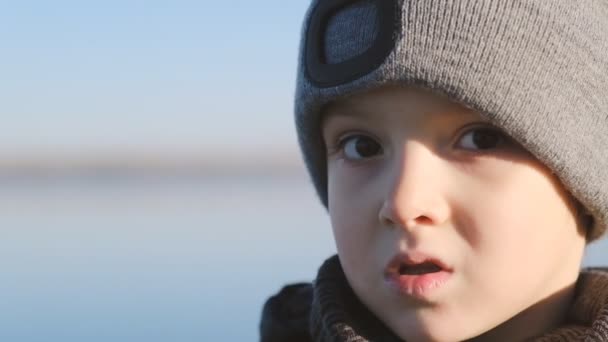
416 274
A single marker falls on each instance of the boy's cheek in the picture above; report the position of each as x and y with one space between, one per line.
348 233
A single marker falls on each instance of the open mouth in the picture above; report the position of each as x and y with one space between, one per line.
417 274
415 263
423 268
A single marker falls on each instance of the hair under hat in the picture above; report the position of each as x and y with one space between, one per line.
536 69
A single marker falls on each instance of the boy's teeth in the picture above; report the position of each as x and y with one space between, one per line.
427 267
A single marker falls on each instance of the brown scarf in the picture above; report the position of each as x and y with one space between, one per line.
338 316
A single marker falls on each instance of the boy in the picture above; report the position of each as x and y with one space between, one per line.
460 148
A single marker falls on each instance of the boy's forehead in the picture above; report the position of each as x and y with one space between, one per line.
415 103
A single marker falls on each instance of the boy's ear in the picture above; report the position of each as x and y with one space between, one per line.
588 223
584 218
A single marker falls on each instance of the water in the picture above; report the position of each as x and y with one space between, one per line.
156 260
152 260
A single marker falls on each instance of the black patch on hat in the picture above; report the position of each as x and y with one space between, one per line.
375 42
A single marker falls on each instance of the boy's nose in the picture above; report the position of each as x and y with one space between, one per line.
413 193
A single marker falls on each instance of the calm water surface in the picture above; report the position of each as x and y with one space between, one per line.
156 260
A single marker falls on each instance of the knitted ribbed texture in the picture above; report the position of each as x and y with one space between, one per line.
537 69
338 316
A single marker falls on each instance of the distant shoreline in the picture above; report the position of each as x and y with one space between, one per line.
150 165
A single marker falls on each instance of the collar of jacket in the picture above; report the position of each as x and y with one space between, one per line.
337 315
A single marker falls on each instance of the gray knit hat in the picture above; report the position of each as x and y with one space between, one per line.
538 69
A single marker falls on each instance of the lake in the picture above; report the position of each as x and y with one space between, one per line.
154 259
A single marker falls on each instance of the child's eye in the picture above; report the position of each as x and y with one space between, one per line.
483 138
357 147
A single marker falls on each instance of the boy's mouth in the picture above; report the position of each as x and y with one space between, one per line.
417 274
414 262
425 267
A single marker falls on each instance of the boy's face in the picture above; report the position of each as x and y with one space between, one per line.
483 229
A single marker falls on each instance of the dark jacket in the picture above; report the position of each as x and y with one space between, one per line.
327 310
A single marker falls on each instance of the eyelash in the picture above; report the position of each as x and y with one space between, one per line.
503 140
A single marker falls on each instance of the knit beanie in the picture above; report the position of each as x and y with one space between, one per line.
536 69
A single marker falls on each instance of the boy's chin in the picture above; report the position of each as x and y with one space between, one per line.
433 329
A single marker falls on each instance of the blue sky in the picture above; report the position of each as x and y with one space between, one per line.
114 75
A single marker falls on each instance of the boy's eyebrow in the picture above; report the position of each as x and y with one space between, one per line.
347 110
344 110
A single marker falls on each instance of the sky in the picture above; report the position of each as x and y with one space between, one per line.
190 76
